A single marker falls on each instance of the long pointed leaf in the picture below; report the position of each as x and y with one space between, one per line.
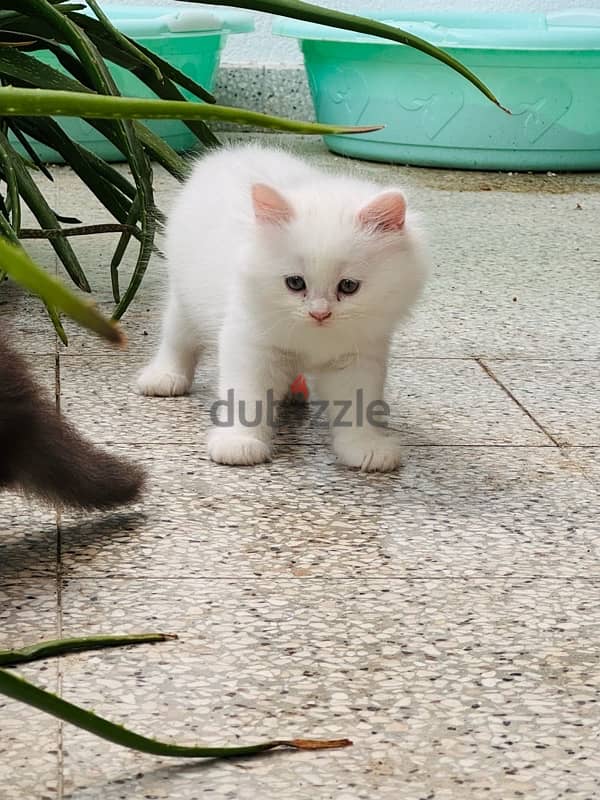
297 9
19 266
46 217
121 248
24 68
42 36
103 82
127 60
122 42
34 157
7 231
82 161
12 184
165 89
56 323
136 156
158 150
19 689
44 103
59 647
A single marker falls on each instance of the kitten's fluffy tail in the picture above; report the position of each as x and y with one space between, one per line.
42 454
63 467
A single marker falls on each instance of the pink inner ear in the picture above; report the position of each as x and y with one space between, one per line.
387 212
269 205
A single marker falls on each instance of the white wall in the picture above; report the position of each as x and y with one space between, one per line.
261 47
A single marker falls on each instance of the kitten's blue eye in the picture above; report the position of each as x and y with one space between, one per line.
348 286
296 283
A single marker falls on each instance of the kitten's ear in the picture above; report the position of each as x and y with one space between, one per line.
387 212
269 205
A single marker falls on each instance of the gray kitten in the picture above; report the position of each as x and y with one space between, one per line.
43 455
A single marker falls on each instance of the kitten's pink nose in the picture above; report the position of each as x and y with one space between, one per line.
320 316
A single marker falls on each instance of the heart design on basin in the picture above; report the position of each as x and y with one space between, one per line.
538 104
436 110
345 88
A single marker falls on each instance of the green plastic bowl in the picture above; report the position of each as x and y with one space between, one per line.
544 67
190 38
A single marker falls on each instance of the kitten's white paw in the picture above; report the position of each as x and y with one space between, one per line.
226 447
369 454
161 382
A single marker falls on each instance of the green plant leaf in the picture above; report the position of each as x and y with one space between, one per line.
82 161
57 324
7 231
130 145
165 89
19 266
121 249
59 647
19 689
297 9
25 692
16 102
121 42
159 151
26 145
45 216
102 81
129 61
25 69
9 175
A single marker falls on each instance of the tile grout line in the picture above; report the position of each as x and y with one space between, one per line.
502 359
251 580
59 578
567 452
489 372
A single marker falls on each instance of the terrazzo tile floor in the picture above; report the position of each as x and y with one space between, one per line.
445 618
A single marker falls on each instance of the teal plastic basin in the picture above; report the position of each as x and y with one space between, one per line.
544 67
191 38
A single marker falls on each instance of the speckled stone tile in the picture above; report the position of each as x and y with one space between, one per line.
141 326
29 740
495 294
588 458
462 512
27 538
99 396
440 401
496 326
563 396
27 612
494 287
453 402
448 689
24 320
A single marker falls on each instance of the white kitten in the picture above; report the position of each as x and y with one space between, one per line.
290 270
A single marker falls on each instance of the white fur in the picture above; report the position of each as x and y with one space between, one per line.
227 270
